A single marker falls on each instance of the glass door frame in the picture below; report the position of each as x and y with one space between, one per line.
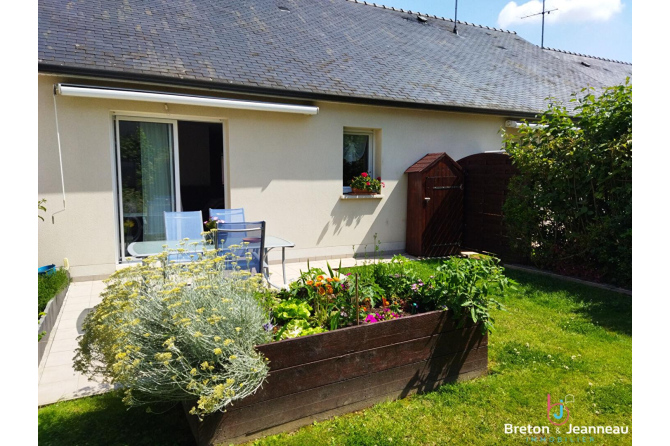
119 186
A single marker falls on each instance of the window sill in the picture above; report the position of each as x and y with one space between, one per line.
361 197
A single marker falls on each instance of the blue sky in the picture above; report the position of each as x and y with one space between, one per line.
602 28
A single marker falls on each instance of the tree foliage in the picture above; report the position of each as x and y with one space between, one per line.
570 207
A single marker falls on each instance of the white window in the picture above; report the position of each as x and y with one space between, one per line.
358 155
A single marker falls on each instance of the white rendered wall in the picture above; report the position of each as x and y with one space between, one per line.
283 168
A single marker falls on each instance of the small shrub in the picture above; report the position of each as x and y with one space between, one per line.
178 332
50 285
467 287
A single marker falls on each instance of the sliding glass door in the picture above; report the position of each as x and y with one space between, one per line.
147 178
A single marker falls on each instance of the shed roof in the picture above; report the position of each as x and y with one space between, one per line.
430 160
327 49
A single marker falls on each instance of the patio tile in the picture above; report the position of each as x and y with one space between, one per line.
74 311
58 373
64 346
79 299
82 285
53 392
58 359
70 317
78 291
65 337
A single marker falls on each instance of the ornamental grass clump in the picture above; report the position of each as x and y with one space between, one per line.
170 332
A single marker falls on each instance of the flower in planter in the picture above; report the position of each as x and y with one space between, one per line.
366 183
385 315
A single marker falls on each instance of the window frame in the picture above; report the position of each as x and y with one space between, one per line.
371 152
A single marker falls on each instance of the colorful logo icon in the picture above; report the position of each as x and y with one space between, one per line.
551 417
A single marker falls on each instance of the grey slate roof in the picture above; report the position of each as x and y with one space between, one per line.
309 48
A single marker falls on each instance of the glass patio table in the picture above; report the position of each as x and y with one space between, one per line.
145 249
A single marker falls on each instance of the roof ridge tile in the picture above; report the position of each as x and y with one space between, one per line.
587 55
392 8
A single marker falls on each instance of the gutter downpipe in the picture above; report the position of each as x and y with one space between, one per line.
60 159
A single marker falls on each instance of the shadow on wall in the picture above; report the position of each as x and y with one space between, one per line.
348 213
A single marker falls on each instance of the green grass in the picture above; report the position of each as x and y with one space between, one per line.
556 337
105 420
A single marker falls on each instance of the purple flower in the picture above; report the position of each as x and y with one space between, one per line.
370 318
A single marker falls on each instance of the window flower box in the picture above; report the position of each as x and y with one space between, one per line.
364 184
315 377
355 191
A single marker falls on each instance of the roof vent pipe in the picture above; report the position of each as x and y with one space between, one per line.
456 19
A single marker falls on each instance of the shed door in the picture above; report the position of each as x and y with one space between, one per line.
443 207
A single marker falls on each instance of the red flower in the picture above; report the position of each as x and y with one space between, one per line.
368 183
364 174
379 178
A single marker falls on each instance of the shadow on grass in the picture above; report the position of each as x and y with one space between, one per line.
105 420
605 308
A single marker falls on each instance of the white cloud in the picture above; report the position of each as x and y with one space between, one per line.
568 11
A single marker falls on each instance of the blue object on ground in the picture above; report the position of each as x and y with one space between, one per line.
47 270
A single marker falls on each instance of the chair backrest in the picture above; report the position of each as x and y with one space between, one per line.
228 215
243 245
181 225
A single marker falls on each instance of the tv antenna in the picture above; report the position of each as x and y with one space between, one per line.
543 14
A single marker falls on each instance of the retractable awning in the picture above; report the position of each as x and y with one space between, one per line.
175 98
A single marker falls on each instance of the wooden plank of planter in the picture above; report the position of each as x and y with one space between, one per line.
359 405
298 405
340 397
298 351
346 366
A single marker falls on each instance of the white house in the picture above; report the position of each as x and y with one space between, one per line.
267 105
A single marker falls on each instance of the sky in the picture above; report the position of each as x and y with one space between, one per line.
601 28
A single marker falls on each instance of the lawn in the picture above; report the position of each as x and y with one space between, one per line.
556 337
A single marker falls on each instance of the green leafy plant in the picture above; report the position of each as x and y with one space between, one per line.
467 287
292 309
298 327
48 285
569 208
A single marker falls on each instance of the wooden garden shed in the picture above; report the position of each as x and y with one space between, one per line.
434 206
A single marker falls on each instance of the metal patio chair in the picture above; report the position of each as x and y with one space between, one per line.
180 226
242 244
228 215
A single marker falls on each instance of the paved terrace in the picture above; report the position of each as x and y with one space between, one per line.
58 381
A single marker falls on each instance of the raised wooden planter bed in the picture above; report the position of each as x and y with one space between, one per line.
47 322
319 376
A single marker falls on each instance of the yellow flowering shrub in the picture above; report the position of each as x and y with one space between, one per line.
178 332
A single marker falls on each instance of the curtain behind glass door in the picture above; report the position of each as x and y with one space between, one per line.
147 179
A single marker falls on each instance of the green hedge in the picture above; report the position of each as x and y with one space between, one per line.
570 207
50 285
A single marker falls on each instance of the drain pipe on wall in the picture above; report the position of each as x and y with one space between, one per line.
60 158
